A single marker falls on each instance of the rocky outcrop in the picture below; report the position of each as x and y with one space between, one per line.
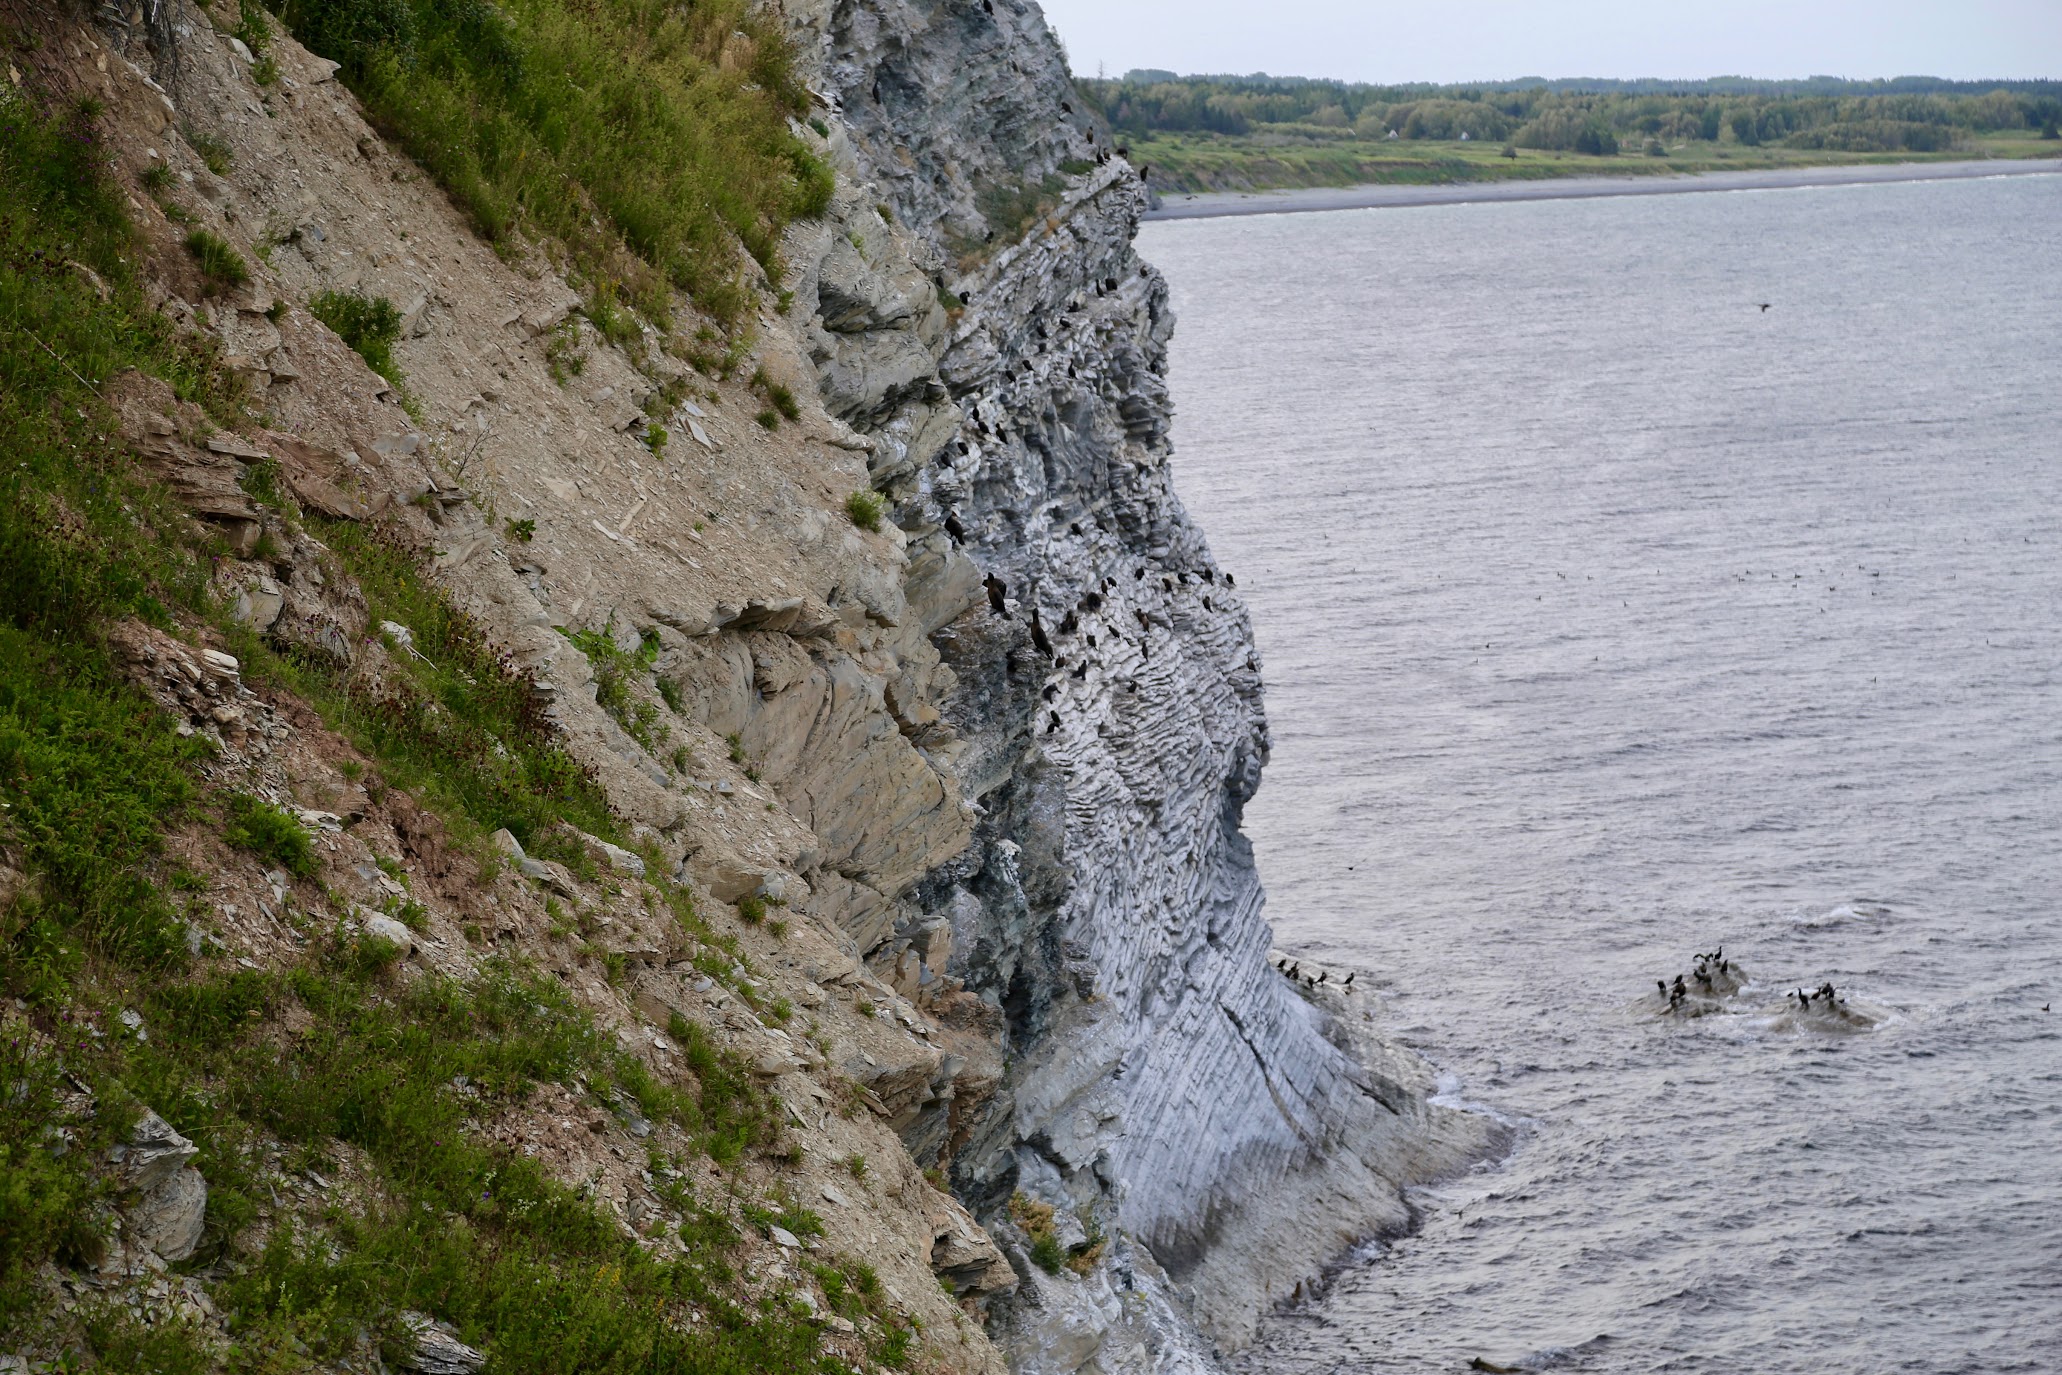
1167 1086
988 755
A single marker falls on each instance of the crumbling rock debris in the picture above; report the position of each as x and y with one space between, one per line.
437 1350
154 1152
171 1198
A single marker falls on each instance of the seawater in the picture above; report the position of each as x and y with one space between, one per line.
1608 618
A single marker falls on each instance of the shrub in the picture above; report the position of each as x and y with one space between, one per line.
219 262
866 509
369 324
270 833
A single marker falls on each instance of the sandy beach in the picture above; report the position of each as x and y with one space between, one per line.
1210 205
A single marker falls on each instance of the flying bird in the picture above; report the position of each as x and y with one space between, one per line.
1765 305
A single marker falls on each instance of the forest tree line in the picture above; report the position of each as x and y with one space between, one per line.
1915 114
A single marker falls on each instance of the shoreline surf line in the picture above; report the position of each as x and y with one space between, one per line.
1380 196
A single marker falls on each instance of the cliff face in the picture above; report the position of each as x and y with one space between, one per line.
1166 1083
990 756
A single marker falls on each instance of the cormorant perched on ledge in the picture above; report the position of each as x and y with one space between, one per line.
1038 635
997 590
953 528
1349 979
1662 984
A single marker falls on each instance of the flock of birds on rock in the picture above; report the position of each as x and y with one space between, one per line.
1714 979
1293 971
1713 974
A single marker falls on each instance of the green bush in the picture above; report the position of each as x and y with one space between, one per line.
648 139
866 509
369 324
271 834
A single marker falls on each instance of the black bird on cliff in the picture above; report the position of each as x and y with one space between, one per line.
997 591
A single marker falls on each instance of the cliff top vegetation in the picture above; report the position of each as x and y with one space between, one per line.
639 143
1223 132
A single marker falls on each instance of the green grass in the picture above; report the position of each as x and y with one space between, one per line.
454 723
617 675
219 262
369 324
643 141
270 833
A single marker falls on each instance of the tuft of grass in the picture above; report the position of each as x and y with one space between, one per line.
563 355
769 419
616 674
751 909
649 140
270 833
779 395
156 178
219 261
371 325
866 509
214 153
521 530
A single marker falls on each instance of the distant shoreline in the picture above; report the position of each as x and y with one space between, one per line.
1303 200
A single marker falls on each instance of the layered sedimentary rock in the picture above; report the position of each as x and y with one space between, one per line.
1167 1083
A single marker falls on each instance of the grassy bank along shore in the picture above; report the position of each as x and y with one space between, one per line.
1279 158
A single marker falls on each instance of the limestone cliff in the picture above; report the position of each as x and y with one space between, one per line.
990 755
1166 1083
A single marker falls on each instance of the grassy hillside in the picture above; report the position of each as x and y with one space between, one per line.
640 142
113 821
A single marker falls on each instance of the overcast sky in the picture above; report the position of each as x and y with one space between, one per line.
1487 40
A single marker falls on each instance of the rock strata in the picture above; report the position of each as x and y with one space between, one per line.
1167 1087
966 779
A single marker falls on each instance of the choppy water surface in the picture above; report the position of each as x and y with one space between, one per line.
1608 618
